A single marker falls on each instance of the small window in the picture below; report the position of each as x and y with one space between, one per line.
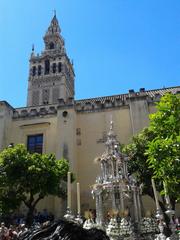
65 113
78 131
35 143
59 67
54 67
39 70
34 71
47 67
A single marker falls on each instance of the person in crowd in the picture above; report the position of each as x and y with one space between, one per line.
12 233
3 231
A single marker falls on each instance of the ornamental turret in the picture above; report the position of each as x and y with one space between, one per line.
52 39
51 75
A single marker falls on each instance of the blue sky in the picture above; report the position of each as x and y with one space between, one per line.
116 45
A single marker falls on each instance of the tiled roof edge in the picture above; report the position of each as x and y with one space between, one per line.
124 95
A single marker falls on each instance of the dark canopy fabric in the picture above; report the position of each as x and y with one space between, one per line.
62 230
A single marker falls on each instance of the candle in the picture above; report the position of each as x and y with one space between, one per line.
166 195
155 194
69 190
78 199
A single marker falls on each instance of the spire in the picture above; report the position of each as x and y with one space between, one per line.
54 28
53 40
32 52
32 47
111 134
111 124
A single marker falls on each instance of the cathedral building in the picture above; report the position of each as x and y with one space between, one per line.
54 122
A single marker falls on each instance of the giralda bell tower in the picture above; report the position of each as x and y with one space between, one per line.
51 75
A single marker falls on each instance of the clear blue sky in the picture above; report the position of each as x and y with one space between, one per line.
116 45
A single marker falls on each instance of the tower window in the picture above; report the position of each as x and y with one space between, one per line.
51 45
34 71
35 143
59 67
47 67
39 70
54 67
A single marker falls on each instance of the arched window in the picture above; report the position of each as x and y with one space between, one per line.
34 70
39 70
59 67
54 67
51 45
47 66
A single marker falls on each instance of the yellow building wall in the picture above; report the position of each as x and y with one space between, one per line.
83 135
93 125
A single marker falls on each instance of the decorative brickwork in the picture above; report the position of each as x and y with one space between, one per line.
35 98
55 95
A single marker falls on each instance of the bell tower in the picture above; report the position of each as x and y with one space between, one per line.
51 74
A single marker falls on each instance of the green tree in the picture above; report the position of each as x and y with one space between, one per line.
164 150
28 178
154 152
138 164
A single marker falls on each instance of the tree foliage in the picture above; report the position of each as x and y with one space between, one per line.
138 164
28 178
164 150
155 150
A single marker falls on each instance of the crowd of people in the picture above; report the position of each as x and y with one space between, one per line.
12 232
14 226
